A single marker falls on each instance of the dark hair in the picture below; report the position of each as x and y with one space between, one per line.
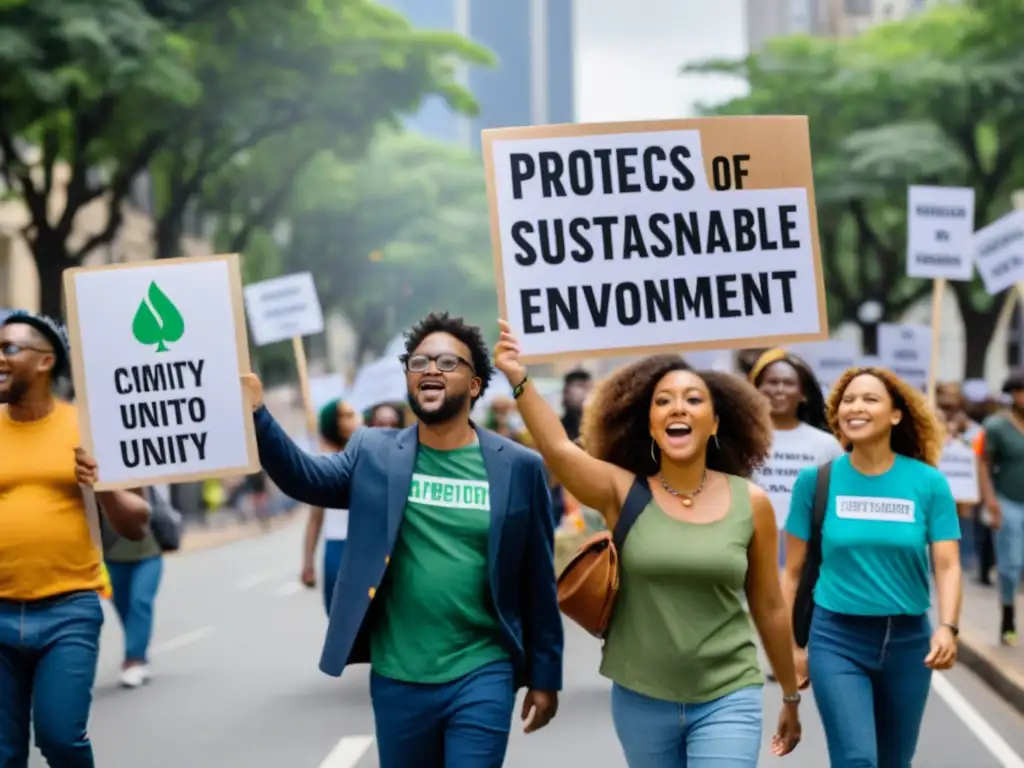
574 376
812 410
440 322
616 425
371 413
50 330
1014 382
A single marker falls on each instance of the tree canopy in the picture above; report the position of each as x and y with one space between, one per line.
937 98
191 90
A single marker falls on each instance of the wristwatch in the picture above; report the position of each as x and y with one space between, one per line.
791 698
952 628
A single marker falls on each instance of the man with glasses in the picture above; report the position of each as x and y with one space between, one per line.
447 588
50 573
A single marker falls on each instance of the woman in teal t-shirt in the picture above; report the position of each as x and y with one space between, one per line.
871 650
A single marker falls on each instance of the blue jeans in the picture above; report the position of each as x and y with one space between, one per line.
48 653
721 733
135 586
461 724
1010 549
871 686
333 551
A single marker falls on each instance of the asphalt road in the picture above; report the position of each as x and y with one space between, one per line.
236 684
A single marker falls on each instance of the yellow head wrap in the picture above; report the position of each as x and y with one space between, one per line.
766 359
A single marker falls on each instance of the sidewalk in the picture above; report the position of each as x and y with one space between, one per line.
1000 667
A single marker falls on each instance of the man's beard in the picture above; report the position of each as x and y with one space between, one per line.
451 406
1018 411
14 394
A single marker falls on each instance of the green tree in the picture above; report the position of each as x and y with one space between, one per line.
391 238
927 100
109 88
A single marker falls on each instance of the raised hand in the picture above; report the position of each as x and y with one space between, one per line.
252 388
506 355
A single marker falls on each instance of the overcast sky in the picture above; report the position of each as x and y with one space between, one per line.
629 53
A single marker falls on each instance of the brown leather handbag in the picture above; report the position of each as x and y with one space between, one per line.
589 583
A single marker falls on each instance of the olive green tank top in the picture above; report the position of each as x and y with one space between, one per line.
680 631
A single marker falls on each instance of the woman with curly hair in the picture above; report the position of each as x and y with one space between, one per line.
680 648
871 650
800 436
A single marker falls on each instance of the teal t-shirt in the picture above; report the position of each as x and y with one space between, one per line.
876 535
437 621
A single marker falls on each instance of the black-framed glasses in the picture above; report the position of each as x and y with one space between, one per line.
446 362
10 349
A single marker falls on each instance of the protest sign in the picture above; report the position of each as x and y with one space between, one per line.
960 466
283 308
626 238
828 359
999 252
157 352
906 351
940 231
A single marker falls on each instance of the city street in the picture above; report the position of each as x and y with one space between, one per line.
236 684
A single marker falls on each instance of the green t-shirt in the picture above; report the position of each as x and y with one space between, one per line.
1004 449
437 620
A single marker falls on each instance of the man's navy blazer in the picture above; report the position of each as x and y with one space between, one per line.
371 478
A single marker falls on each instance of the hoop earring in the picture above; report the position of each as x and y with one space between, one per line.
654 458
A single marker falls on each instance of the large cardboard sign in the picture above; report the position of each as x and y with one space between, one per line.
283 308
940 231
999 252
157 352
615 239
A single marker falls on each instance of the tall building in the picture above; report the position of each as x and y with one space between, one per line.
532 82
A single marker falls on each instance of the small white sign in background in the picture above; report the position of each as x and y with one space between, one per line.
906 350
283 308
940 232
960 466
999 252
158 350
828 359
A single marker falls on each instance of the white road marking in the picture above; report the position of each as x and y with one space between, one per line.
976 724
288 588
181 641
347 752
256 579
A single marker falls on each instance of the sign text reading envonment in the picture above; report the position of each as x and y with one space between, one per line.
612 241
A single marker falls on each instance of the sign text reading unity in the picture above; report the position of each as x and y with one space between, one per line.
626 238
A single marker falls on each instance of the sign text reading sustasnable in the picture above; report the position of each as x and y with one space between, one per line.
615 238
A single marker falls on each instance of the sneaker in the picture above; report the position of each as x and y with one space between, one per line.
134 676
1010 639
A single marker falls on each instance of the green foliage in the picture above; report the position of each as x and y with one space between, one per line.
937 98
396 236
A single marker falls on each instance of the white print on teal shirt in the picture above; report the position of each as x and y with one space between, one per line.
873 508
448 492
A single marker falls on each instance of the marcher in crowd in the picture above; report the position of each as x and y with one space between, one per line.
680 647
135 569
800 436
336 423
1002 487
386 416
504 419
448 587
50 568
872 651
952 407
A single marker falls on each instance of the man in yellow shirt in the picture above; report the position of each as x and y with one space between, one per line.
50 571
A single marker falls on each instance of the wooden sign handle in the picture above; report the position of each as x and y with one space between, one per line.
938 292
307 396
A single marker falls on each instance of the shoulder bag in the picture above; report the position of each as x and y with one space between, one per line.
803 603
588 585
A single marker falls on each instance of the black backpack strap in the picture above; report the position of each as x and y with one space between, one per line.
636 502
821 487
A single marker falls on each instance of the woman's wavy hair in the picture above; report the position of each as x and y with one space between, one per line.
812 410
616 422
919 435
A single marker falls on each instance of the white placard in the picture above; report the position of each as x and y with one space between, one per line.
906 350
158 351
940 231
721 360
828 359
611 241
976 390
960 466
382 381
999 252
283 308
323 389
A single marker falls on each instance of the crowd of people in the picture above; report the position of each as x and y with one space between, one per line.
438 571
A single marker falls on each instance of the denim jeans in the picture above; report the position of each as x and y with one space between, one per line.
333 551
48 653
722 733
1010 549
135 586
461 724
871 686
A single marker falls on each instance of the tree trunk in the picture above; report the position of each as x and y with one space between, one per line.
167 236
979 327
51 259
869 338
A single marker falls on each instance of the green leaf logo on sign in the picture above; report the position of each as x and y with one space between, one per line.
157 322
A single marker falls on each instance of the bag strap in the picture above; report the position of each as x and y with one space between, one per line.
637 499
821 488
